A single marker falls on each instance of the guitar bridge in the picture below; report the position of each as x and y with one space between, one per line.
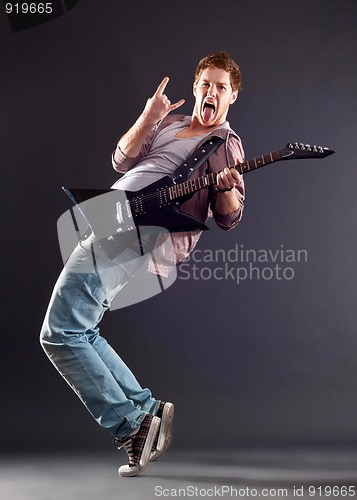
119 208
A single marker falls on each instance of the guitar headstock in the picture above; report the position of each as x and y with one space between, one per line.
300 150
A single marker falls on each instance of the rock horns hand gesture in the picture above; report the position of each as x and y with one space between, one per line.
158 106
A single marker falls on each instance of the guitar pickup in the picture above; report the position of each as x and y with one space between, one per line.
164 199
137 207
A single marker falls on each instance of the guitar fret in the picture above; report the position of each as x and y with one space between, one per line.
193 185
276 155
165 195
245 167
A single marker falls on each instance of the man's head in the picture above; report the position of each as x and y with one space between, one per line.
216 86
221 60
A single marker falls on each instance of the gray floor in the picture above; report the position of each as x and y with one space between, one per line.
287 474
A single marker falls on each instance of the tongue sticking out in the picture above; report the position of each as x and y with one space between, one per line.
208 111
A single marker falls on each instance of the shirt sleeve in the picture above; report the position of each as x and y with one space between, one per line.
122 163
228 157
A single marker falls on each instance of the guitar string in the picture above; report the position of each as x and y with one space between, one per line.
191 184
212 179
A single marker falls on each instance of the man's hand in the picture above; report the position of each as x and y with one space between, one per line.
158 106
227 200
228 179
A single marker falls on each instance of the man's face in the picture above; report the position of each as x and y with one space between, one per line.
214 95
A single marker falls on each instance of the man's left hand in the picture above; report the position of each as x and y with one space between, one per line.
228 178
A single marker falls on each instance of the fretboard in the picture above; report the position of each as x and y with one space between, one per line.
193 185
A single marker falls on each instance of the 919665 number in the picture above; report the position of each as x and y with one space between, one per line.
29 8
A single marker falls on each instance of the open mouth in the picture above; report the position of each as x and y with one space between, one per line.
208 111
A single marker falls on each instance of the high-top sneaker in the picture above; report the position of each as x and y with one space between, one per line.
139 446
164 436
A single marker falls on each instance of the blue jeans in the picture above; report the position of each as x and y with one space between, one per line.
70 337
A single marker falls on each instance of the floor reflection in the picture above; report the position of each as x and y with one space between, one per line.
287 474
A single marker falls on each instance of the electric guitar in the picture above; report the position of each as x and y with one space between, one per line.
111 213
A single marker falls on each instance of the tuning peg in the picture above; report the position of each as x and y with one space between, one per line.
314 149
308 147
302 146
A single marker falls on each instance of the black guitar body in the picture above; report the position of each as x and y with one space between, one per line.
125 210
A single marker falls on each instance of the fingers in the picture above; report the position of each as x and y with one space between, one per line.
177 104
235 175
159 105
159 93
223 181
160 89
228 178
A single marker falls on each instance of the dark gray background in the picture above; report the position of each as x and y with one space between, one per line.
260 363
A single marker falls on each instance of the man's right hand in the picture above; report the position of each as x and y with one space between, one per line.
158 106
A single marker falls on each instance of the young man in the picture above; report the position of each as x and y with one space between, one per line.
155 146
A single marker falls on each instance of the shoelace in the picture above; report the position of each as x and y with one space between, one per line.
128 447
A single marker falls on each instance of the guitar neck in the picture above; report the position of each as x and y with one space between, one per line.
194 185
